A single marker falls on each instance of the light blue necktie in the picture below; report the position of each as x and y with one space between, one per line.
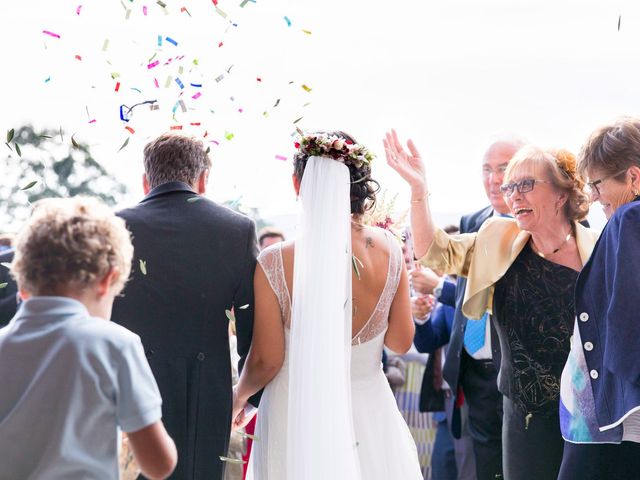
474 334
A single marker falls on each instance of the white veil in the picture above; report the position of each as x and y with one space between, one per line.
321 442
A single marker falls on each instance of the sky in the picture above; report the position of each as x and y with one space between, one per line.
453 76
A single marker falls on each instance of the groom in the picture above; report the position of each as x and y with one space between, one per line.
193 260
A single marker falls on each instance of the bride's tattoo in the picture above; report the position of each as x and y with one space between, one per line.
369 242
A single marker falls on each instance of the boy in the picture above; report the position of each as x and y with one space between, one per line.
70 378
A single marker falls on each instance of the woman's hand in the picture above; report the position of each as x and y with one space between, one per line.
408 165
237 412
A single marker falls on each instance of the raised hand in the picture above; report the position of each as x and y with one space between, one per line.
408 164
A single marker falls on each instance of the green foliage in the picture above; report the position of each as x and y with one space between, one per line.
48 165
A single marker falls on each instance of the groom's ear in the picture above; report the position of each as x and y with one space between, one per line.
146 188
201 186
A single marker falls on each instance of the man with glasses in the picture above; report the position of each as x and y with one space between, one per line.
469 368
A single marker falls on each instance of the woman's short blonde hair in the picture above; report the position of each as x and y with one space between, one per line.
70 244
559 168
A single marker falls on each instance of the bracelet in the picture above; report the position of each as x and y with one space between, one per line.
418 200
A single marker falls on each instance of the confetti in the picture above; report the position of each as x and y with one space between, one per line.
238 461
207 150
240 110
221 13
78 8
231 318
27 187
155 82
281 157
197 96
162 4
306 88
152 65
619 20
215 2
167 83
197 85
219 78
6 265
114 75
126 142
193 199
195 124
51 34
243 307
127 15
144 10
184 9
180 84
220 44
117 86
183 107
259 79
3 285
10 135
47 80
180 69
155 106
105 45
17 149
277 103
171 40
159 40
265 114
9 147
78 57
74 143
308 32
286 19
297 120
131 130
229 69
143 266
228 135
92 121
176 127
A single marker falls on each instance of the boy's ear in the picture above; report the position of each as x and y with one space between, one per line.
107 281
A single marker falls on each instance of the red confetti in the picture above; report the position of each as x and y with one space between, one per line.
215 2
176 127
220 44
206 132
78 57
117 86
195 124
131 130
297 145
259 79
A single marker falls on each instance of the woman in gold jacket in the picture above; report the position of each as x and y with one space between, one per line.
522 271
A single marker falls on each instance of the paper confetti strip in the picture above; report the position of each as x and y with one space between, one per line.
51 34
152 65
286 19
171 40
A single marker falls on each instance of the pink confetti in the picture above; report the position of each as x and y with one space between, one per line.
78 57
78 9
176 127
51 34
281 157
195 124
197 96
92 121
155 81
131 130
144 10
215 141
240 110
154 64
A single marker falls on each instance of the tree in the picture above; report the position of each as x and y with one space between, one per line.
44 164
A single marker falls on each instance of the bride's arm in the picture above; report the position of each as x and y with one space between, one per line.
267 344
399 336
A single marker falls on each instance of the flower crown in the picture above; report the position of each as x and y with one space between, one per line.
333 146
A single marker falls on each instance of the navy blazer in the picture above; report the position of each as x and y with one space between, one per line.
607 306
435 333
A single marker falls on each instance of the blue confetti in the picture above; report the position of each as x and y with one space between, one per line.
286 19
197 85
180 84
48 79
171 40
159 40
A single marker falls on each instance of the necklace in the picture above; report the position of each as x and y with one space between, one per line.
544 255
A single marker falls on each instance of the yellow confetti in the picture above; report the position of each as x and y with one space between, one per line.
306 88
308 32
143 267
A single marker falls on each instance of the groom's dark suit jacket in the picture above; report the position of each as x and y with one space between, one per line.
199 259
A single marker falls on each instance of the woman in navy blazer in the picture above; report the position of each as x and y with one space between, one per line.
600 388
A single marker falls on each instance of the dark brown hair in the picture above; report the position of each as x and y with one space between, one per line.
363 187
174 158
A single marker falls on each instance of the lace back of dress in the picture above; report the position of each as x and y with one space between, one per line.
270 260
379 319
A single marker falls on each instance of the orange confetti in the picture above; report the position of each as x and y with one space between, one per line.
131 130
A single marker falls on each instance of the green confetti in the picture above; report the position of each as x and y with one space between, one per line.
126 142
10 134
3 285
193 199
237 461
9 147
355 260
277 103
74 143
297 120
228 135
29 185
243 307
143 267
17 149
162 4
230 315
207 150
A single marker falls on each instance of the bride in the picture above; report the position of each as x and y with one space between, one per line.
324 306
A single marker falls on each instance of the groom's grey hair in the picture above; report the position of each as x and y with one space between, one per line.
171 158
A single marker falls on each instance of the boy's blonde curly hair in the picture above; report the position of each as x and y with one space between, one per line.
71 244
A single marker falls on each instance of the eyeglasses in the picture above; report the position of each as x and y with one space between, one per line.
523 186
593 186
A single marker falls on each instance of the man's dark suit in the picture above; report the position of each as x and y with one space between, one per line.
477 378
8 299
199 260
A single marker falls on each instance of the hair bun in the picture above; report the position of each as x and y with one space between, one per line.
567 163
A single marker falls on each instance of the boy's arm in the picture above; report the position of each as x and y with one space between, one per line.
154 451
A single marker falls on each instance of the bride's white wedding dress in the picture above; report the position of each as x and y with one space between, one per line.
386 450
